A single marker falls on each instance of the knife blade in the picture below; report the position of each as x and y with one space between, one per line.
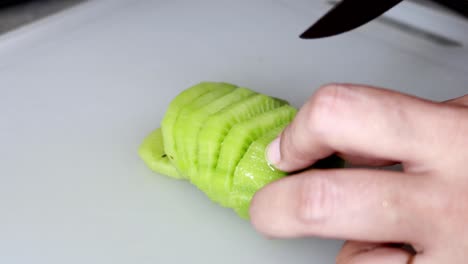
346 16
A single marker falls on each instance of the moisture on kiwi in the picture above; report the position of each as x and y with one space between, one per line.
215 135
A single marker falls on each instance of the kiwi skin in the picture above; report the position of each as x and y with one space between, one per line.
174 152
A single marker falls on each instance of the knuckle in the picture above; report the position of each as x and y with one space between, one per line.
317 199
327 106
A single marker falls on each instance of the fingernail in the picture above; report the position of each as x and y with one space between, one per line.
273 152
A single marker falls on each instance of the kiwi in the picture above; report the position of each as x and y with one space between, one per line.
195 121
180 130
215 135
153 154
216 128
245 183
236 143
167 124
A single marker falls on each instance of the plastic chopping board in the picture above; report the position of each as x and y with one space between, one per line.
79 91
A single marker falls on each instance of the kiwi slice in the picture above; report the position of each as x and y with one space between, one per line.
180 130
245 183
217 127
215 135
195 121
167 124
153 154
236 144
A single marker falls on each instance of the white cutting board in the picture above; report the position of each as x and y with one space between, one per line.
80 90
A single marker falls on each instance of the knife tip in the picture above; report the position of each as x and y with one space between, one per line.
303 36
311 34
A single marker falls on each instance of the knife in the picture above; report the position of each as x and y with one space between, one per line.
348 15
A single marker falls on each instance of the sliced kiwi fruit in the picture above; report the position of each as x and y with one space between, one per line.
180 130
215 135
244 183
153 154
216 128
195 120
184 98
237 142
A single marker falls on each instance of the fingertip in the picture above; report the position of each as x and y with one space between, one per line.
269 209
253 213
257 212
273 152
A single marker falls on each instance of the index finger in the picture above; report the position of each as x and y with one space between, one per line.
359 121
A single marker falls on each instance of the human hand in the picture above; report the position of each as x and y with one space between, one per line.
425 205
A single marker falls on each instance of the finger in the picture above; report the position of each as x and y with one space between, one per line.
370 253
461 101
353 204
361 121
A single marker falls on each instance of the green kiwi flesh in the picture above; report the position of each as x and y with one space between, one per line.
236 143
218 126
215 136
179 133
168 122
153 154
195 121
245 183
